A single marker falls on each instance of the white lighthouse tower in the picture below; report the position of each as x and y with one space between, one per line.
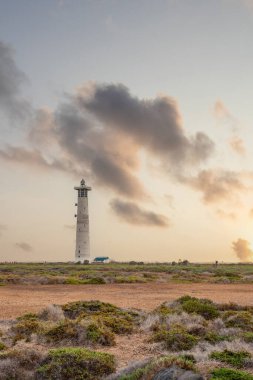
82 224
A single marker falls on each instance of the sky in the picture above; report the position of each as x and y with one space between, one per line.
150 101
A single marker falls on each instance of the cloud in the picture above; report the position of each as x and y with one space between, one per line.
155 124
11 79
242 249
100 133
226 215
217 185
237 145
133 214
223 114
34 158
3 228
221 111
24 246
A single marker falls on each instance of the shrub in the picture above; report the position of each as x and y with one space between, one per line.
75 309
129 279
25 358
66 330
149 370
119 325
28 317
83 332
235 359
75 364
2 346
175 339
99 334
25 328
213 337
240 319
163 310
203 307
230 374
248 337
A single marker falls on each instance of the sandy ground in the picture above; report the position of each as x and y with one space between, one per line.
19 299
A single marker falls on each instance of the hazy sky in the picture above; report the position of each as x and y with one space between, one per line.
151 103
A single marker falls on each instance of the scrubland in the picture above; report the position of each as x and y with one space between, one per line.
184 337
117 273
96 340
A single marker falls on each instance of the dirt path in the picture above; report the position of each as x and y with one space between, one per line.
18 299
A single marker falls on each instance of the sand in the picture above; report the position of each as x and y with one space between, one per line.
16 300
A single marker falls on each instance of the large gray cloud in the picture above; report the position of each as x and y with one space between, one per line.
152 123
104 128
11 78
133 214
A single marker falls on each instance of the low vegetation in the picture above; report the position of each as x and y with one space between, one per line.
75 363
132 272
85 340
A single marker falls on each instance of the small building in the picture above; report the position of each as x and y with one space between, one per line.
101 260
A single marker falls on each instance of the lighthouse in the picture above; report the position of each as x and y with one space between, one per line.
82 223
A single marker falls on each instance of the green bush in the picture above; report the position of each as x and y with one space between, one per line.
25 328
248 337
118 324
235 359
28 317
66 330
74 332
230 374
99 334
175 339
163 310
75 364
86 281
202 307
84 308
240 319
2 346
213 337
129 279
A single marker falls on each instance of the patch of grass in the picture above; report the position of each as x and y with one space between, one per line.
175 339
75 364
2 346
84 308
129 279
203 307
235 359
230 374
25 328
240 319
74 332
86 281
66 330
248 337
28 317
213 337
163 310
99 334
119 324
